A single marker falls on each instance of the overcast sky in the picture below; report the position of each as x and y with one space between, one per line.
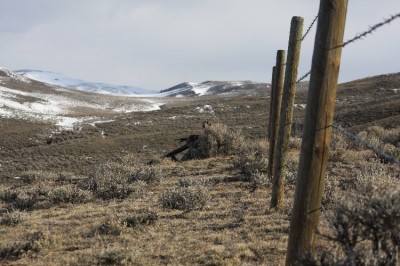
156 44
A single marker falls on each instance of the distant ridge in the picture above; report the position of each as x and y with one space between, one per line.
61 80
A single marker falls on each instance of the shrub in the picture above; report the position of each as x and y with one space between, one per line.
188 182
338 147
108 227
373 177
367 231
69 194
12 218
252 159
150 174
34 176
31 198
143 217
387 140
218 139
185 198
258 180
109 181
35 243
116 181
114 257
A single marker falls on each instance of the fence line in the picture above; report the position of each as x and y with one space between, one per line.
319 124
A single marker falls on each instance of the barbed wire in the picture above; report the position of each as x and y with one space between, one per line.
303 77
309 28
384 155
356 38
330 222
381 153
369 31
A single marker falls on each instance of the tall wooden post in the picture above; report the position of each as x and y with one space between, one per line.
317 128
286 113
271 102
278 88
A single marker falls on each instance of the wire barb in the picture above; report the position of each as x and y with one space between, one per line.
303 77
309 28
369 31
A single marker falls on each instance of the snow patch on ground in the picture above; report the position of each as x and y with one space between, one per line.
200 89
300 106
56 109
205 109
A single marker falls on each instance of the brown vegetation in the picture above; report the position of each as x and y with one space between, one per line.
89 200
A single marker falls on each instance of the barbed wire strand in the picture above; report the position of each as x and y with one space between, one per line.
356 38
303 77
382 154
309 28
369 31
330 222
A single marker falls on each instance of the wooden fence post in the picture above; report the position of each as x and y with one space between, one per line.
271 103
317 128
278 88
286 113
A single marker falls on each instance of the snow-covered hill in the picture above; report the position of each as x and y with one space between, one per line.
77 84
27 99
188 89
191 89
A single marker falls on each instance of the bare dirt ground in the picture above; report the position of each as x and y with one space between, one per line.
235 225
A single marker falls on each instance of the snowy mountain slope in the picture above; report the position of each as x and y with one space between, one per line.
184 89
191 89
23 98
77 84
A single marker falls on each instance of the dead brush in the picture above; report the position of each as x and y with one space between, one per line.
387 140
185 198
69 194
150 174
338 147
35 243
367 232
114 257
110 227
43 196
12 218
252 158
31 177
140 218
108 181
116 181
218 139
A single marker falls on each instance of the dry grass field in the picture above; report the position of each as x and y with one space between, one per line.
89 197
